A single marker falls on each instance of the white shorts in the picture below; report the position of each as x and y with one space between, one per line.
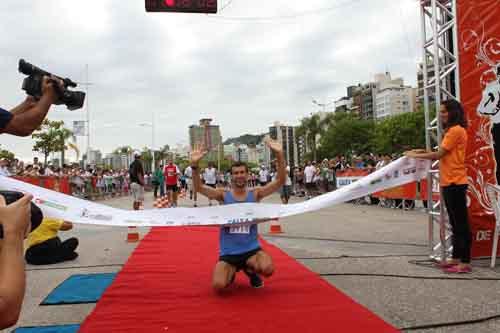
137 192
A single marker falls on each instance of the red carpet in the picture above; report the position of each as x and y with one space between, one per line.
166 287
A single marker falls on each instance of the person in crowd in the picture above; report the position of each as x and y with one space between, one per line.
286 189
136 172
263 175
453 181
172 172
45 247
4 168
309 174
210 178
158 182
188 172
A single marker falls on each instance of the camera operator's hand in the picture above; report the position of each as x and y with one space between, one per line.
48 88
15 218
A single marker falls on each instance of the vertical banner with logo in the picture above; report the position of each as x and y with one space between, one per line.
479 54
79 128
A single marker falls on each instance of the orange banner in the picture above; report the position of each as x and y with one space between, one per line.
479 55
407 192
59 184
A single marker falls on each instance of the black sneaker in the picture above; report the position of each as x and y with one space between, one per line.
255 280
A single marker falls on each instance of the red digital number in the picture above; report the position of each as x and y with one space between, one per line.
211 3
170 3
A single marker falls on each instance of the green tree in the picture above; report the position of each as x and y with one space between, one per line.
4 153
347 134
48 137
399 133
310 128
63 135
123 150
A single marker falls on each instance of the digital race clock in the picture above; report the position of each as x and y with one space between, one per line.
182 6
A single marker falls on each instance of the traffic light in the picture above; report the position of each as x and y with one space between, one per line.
182 6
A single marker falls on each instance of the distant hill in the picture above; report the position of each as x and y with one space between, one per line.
247 139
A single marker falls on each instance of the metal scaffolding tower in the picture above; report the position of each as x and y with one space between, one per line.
441 82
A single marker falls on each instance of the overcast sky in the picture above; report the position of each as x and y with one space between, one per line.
252 64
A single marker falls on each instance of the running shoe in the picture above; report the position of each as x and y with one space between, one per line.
255 280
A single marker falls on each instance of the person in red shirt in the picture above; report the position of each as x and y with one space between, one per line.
171 172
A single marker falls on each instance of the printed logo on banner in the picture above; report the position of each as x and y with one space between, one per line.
50 204
100 217
483 235
409 171
133 221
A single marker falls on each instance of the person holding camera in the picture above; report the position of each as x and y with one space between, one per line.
27 116
15 221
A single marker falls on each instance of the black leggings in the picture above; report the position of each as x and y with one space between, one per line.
456 205
52 251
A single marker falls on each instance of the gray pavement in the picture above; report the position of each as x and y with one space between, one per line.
375 255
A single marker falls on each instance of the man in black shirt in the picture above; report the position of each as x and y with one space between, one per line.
136 172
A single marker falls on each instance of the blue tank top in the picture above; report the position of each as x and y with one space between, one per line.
238 239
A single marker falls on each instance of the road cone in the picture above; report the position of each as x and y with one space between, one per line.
275 227
132 235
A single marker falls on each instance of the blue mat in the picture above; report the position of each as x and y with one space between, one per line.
79 289
48 329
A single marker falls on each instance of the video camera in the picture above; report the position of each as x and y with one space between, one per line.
33 86
36 212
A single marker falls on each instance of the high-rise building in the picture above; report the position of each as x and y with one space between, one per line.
393 100
420 81
95 157
207 135
286 136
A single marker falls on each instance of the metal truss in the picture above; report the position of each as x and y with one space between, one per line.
441 82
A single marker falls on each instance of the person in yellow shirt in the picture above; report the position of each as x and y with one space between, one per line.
453 181
45 247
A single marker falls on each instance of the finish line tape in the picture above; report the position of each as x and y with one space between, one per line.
58 205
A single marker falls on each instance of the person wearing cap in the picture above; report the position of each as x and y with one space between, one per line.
136 172
45 247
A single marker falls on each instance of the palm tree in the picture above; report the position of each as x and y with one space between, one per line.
65 134
310 128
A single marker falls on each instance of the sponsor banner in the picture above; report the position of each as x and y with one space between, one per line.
59 205
349 176
406 192
479 57
435 190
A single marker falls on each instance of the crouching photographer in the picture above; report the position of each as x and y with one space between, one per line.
16 213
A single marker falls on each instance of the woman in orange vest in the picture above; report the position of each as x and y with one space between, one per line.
453 181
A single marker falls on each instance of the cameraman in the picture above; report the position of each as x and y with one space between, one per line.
15 220
27 116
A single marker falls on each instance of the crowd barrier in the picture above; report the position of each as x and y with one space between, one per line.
410 191
82 187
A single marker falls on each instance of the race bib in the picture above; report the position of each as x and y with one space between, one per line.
242 229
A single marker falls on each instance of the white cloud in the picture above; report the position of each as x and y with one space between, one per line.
245 73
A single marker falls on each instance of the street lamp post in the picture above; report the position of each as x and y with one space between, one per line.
152 125
323 105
